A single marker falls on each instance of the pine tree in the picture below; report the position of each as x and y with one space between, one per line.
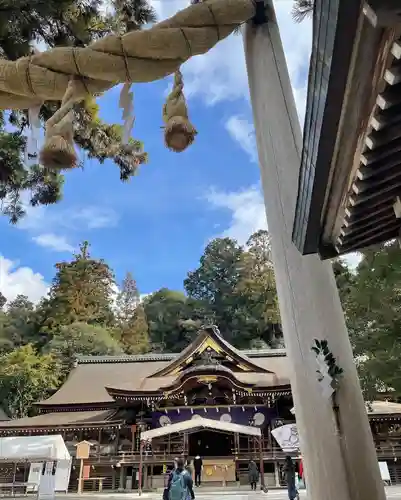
135 336
132 318
82 291
61 23
3 301
128 299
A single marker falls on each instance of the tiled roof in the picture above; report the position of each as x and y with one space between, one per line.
384 408
63 419
3 416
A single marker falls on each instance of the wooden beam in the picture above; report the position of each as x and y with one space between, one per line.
380 167
390 97
375 222
384 136
383 13
351 220
392 176
386 117
393 75
372 198
396 49
368 157
355 236
383 235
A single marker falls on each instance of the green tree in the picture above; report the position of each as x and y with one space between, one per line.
373 313
25 378
3 301
19 325
131 318
135 333
237 287
174 319
81 291
215 280
61 23
84 339
344 279
302 9
257 308
127 299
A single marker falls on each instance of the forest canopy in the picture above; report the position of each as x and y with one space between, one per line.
232 286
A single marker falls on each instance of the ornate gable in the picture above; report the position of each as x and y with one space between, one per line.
209 348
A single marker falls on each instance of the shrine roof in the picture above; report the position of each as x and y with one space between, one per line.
383 408
3 416
64 420
88 383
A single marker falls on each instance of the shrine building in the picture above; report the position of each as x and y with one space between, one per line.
110 400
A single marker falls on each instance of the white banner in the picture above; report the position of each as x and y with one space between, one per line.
62 479
287 438
47 483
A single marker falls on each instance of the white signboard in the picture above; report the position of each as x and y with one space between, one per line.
63 472
287 438
384 472
47 483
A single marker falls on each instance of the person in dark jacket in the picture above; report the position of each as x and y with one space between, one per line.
180 467
253 474
289 471
198 466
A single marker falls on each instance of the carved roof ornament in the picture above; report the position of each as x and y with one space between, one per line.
208 357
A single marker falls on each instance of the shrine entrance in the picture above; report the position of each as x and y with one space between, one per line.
213 441
207 443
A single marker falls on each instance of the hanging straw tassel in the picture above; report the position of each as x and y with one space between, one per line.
58 151
127 105
179 133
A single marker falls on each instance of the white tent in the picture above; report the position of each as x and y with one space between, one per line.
33 448
199 423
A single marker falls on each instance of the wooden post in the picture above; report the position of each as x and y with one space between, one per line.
81 471
261 465
308 297
140 468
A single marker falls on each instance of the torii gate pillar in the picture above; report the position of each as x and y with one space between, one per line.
309 301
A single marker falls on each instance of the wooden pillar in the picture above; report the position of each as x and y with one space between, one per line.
261 465
145 477
117 440
100 442
113 479
309 302
121 486
140 468
277 474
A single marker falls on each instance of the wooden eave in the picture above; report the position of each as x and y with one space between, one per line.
64 421
348 185
384 417
178 393
45 408
367 216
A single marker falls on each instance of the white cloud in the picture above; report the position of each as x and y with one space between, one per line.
242 131
221 73
54 242
53 227
247 211
17 280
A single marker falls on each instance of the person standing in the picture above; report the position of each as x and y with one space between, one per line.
198 466
180 484
253 474
289 471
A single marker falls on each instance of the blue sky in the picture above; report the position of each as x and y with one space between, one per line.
157 225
